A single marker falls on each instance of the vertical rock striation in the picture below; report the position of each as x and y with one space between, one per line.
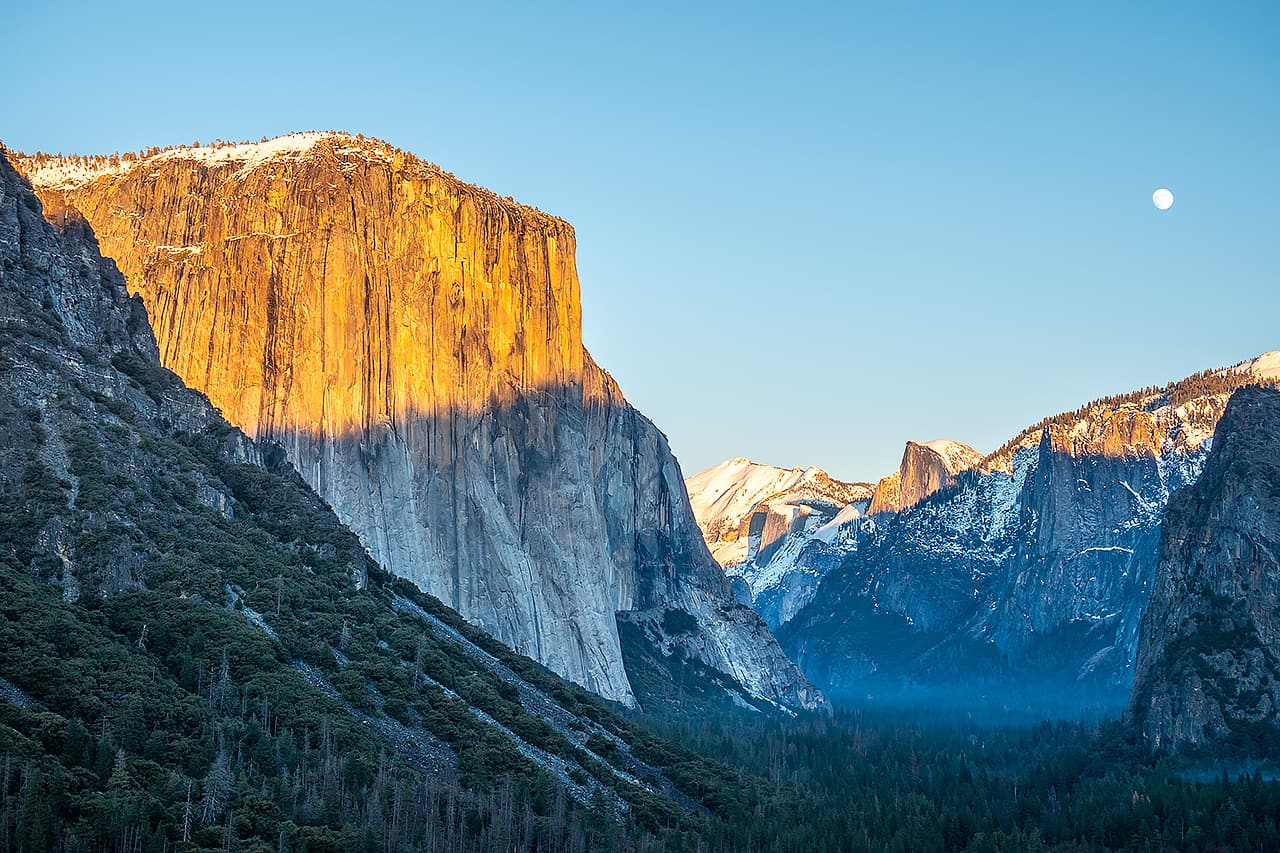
415 344
1208 666
926 467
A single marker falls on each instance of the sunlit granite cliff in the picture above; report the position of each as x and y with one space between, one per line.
926 467
415 344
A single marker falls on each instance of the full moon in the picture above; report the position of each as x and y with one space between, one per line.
1162 199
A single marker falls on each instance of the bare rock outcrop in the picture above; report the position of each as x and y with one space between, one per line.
926 467
775 530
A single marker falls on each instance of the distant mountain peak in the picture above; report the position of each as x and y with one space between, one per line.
727 499
926 467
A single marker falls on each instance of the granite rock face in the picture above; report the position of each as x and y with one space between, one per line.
123 490
1026 579
926 467
744 508
1208 665
778 532
414 343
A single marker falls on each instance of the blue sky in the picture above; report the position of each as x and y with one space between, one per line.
806 232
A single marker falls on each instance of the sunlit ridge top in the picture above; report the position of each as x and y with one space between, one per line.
70 171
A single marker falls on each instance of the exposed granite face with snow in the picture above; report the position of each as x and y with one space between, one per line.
744 507
1029 576
415 345
775 530
926 467
1208 666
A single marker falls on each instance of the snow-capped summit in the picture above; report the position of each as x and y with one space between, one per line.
778 531
71 171
238 162
773 528
956 455
1264 367
246 155
738 499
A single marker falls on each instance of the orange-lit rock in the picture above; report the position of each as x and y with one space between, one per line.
415 344
926 467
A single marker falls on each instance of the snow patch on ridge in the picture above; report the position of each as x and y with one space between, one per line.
70 172
249 154
829 531
737 494
776 528
1265 366
956 455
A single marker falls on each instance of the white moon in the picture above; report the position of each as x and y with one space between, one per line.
1162 199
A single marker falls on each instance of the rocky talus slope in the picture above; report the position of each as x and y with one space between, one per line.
415 345
1027 578
1208 665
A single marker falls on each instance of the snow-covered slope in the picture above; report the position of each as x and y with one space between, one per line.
956 455
773 528
71 172
778 531
1031 573
727 497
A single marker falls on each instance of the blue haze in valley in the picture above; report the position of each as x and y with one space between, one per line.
806 232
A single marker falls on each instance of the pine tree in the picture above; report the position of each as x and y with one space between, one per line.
35 817
76 744
215 790
187 813
122 803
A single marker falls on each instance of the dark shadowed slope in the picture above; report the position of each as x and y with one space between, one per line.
1208 669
